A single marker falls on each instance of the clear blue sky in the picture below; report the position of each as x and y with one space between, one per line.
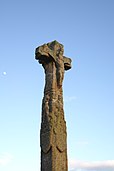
86 29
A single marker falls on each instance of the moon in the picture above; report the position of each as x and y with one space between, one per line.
4 73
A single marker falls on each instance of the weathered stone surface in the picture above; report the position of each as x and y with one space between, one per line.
53 135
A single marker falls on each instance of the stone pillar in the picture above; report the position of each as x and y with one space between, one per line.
53 135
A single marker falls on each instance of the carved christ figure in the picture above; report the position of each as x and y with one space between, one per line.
53 135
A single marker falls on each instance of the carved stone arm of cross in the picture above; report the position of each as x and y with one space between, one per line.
44 55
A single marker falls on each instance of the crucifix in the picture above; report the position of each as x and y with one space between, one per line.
53 134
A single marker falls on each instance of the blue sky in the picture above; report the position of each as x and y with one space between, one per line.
86 29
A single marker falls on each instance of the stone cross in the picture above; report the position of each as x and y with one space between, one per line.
53 135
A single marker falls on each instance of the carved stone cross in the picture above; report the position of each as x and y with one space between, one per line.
53 135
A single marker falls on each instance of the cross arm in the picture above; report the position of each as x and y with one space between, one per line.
44 55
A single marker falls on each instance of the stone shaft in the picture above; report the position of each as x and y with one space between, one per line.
53 135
